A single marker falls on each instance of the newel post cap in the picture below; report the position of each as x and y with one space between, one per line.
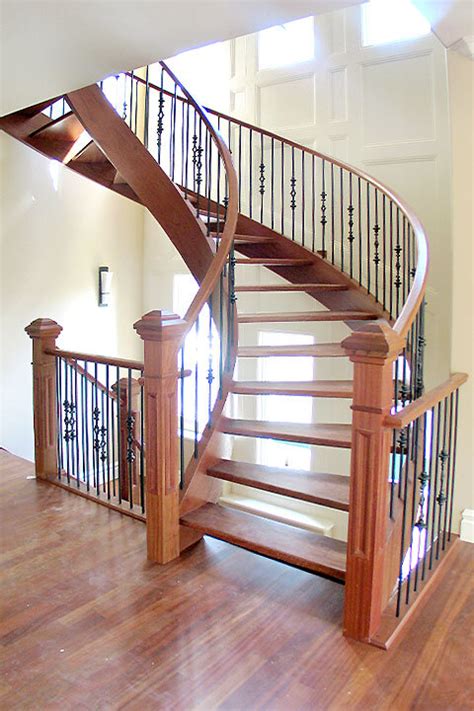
159 326
377 340
43 328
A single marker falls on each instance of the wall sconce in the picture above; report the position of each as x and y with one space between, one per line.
105 282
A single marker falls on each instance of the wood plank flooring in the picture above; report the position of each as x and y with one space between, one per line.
88 623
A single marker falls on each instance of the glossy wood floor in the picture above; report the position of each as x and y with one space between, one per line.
87 623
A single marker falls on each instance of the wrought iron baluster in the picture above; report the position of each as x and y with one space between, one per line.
261 179
130 438
350 237
444 460
376 258
292 193
404 515
323 207
435 484
341 215
161 117
453 462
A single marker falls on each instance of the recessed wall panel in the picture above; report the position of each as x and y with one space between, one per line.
288 103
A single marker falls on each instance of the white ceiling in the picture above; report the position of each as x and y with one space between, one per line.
49 47
451 20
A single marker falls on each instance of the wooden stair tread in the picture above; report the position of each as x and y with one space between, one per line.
314 388
307 316
320 350
91 153
292 287
330 435
330 490
274 262
281 541
247 239
65 128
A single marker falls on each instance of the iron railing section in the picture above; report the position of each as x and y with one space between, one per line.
100 424
421 480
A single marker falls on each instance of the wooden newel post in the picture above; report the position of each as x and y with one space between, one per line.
372 352
162 334
128 396
44 332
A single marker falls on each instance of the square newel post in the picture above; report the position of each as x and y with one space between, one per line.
372 351
162 333
44 332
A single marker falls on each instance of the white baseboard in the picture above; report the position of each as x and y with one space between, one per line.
467 525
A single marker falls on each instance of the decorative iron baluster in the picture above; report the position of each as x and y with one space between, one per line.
210 370
420 350
130 456
350 236
323 208
161 117
376 258
69 421
99 440
293 205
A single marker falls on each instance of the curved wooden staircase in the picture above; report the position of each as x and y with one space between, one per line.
351 245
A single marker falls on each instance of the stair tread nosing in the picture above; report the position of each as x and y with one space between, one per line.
329 435
273 539
315 388
319 350
330 490
275 261
307 316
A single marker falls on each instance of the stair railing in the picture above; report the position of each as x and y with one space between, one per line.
203 342
346 217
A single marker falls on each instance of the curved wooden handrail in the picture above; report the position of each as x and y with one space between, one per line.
415 297
225 244
418 407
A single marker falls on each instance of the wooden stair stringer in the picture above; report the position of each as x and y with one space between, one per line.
144 176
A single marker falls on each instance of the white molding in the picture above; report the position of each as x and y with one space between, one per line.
278 513
464 46
467 525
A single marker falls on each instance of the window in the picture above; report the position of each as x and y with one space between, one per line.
385 21
201 356
286 44
285 408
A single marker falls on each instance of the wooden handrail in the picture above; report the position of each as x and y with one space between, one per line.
415 297
210 280
104 360
418 407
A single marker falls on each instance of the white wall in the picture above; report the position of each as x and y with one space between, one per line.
53 241
461 84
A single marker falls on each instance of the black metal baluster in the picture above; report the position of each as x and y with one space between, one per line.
181 419
453 464
272 182
160 118
384 254
313 204
415 443
142 444
76 437
450 469
376 259
103 441
121 473
341 215
435 487
68 421
350 238
136 107
240 168
147 108
59 400
83 427
96 431
250 173
210 371
323 207
292 193
404 515
303 200
196 391
359 224
368 238
430 491
444 460
130 123
107 417
261 178
282 204
421 522
398 250
186 154
86 421
332 216
130 439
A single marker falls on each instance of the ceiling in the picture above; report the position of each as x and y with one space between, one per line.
49 47
452 21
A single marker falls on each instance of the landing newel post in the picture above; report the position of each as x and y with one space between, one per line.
44 332
162 333
372 351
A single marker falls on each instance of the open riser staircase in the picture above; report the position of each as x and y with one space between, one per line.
234 198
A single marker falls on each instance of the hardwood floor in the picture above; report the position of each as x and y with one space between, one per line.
87 623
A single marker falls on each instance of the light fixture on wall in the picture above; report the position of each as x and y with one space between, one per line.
105 282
